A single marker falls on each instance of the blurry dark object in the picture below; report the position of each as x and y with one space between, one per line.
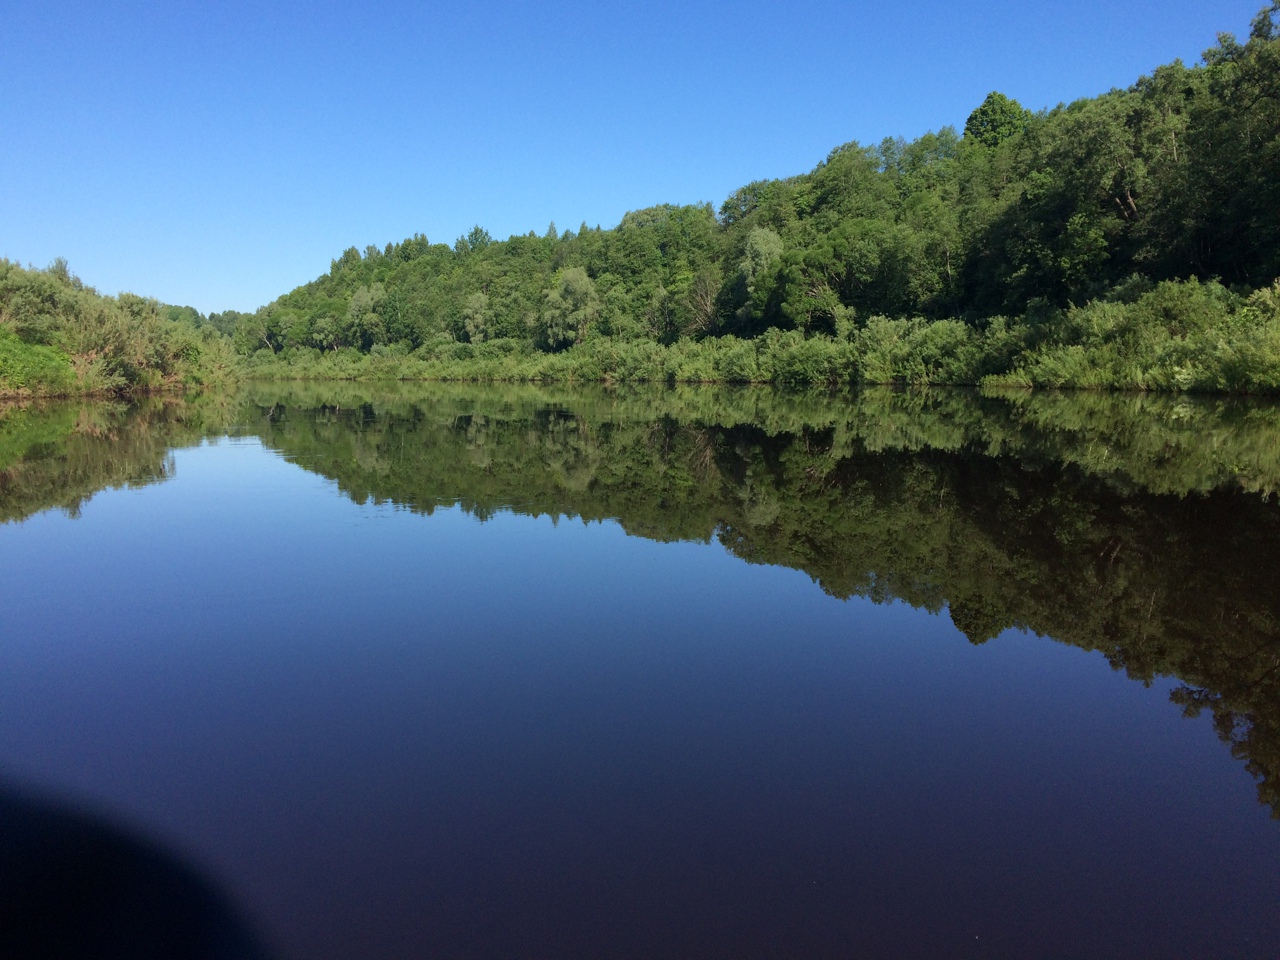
73 886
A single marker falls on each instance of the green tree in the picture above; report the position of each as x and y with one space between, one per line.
571 307
475 317
995 120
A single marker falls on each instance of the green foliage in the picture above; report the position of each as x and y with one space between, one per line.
995 120
572 307
1170 337
476 316
1177 336
915 352
32 369
58 336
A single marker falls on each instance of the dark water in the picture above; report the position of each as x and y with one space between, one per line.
468 672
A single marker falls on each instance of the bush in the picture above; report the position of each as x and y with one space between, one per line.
27 368
124 343
1168 336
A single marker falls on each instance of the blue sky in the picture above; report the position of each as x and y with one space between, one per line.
219 155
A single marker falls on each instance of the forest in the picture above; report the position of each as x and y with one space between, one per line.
1125 241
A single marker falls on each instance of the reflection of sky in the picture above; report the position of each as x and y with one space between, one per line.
389 732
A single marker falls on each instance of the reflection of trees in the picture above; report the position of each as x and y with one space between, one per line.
58 455
1183 587
943 504
1125 524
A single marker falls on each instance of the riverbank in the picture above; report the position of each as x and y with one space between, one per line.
1179 337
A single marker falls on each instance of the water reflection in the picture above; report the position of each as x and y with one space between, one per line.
1143 527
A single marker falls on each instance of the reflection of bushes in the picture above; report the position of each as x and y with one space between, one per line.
61 454
1159 443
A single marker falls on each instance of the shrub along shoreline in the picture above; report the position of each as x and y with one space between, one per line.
59 338
1173 337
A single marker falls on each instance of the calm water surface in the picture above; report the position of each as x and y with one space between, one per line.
466 672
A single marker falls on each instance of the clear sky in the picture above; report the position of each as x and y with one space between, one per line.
220 154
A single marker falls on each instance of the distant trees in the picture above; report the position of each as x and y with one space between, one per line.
473 242
475 317
995 241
